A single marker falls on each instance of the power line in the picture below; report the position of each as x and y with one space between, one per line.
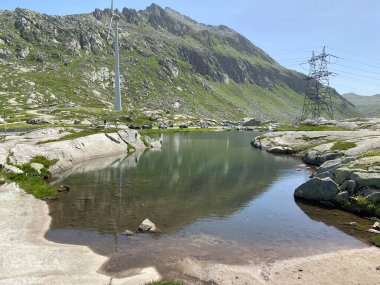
359 69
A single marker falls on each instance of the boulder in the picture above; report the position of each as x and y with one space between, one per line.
22 52
12 169
374 198
342 174
342 198
147 226
376 226
128 233
155 144
349 186
374 231
317 189
314 157
5 53
280 150
41 57
256 144
367 179
326 174
63 188
37 167
329 165
251 123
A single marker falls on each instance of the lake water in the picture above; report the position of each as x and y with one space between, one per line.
212 196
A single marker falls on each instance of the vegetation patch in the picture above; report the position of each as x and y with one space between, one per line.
34 182
371 153
376 241
261 137
343 145
145 142
364 206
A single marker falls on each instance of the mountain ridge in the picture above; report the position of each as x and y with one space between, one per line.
166 64
368 106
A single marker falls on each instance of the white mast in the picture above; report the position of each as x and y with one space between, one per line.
117 60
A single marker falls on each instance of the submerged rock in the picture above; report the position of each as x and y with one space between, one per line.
147 226
317 189
128 233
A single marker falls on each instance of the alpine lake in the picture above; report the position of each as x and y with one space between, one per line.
213 198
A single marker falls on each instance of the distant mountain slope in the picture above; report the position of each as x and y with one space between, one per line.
168 62
368 106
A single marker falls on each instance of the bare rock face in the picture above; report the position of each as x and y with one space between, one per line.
317 189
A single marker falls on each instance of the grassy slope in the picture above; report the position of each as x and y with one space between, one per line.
369 106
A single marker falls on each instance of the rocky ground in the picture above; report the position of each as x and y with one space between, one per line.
349 164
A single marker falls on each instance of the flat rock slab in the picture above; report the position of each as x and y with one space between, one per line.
27 258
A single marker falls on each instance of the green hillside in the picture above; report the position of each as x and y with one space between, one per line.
368 106
170 64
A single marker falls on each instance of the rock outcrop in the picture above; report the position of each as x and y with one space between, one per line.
349 171
66 153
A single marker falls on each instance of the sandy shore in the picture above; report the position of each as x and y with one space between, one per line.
28 258
359 266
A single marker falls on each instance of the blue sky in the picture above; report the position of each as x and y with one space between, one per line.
288 30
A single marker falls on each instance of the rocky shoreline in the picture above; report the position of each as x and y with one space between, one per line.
26 219
348 174
50 143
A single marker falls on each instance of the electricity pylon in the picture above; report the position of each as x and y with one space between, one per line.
318 93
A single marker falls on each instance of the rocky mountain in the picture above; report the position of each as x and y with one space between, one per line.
168 63
368 106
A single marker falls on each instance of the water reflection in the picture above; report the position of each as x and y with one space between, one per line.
343 221
202 177
212 196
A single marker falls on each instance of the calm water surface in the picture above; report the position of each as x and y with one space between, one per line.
212 196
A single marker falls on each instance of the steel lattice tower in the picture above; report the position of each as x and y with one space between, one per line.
318 93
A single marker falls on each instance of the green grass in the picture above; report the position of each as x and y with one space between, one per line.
376 241
44 161
261 137
371 153
33 182
343 145
35 185
311 128
366 207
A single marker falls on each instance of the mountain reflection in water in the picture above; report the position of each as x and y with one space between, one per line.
212 196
